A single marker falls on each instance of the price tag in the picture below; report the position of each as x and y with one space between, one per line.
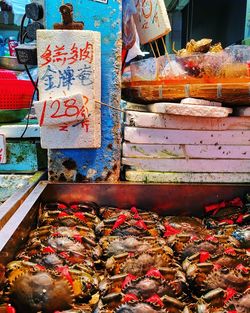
64 110
2 149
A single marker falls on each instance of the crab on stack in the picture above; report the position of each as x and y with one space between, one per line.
56 269
215 256
141 274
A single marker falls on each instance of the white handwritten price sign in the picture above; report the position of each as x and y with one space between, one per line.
151 20
65 110
69 81
2 149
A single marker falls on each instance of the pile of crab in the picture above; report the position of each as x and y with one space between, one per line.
215 256
82 258
141 273
56 269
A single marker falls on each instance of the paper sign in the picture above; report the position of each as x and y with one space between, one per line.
66 110
2 149
151 20
69 64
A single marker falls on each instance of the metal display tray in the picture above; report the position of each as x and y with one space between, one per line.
165 199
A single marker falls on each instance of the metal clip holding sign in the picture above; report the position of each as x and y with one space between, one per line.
2 149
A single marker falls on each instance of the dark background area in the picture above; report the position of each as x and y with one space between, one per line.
221 20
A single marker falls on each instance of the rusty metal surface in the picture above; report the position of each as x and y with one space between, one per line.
166 199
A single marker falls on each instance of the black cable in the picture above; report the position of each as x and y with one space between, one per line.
22 39
21 29
30 77
27 121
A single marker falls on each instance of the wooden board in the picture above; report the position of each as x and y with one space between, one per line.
185 151
191 165
192 137
149 92
154 120
151 20
189 109
69 63
165 177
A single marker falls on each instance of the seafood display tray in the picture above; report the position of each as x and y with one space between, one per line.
165 199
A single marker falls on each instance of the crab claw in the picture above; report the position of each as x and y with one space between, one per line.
127 280
153 272
156 300
120 220
170 230
129 297
230 292
204 256
242 268
10 309
141 224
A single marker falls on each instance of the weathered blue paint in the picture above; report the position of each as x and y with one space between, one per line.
103 163
247 25
23 157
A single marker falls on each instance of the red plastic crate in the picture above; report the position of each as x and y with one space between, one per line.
6 74
15 94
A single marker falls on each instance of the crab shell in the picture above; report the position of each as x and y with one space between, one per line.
116 245
240 303
210 244
35 292
112 212
45 231
157 281
77 245
58 218
205 277
230 258
139 264
89 207
129 228
152 305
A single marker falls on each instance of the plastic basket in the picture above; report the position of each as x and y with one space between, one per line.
15 94
5 74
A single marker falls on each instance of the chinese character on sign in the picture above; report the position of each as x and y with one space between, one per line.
66 78
49 78
85 75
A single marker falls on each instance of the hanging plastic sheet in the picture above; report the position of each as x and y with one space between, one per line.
128 25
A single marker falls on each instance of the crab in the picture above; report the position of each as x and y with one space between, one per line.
130 303
186 245
227 213
163 281
64 218
83 232
116 245
180 229
89 207
112 212
128 225
35 291
239 303
83 283
139 263
230 268
78 245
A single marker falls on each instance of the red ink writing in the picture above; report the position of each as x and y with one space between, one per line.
59 54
